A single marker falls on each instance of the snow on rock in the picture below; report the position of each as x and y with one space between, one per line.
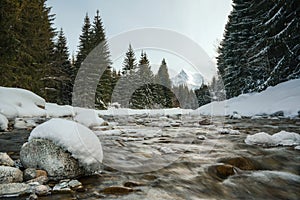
54 110
16 102
282 138
228 131
297 147
3 123
282 97
77 139
87 117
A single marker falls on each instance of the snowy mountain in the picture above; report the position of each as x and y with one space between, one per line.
193 81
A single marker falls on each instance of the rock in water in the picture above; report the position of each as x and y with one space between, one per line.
44 154
6 160
10 175
14 189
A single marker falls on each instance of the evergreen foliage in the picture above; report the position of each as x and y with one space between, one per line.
260 46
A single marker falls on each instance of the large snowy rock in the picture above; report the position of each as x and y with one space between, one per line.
62 148
44 154
16 102
10 174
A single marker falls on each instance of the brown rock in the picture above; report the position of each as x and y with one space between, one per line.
117 190
133 184
221 172
242 163
40 172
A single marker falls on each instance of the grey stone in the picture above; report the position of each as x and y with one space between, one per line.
6 160
33 197
44 154
277 114
29 173
14 189
74 183
42 190
41 180
10 175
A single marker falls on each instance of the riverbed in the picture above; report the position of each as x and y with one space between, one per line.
179 157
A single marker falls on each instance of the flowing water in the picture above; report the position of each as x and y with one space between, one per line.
163 158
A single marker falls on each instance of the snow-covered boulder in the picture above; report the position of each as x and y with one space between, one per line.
56 142
3 123
88 117
10 175
282 138
44 154
16 102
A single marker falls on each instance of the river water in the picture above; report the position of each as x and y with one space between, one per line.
177 158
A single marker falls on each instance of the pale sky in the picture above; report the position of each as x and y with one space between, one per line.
202 21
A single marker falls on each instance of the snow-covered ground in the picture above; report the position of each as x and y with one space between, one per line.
282 97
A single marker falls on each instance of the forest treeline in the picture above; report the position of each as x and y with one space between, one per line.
261 45
260 48
35 56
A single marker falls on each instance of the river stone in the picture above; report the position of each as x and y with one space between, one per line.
29 173
6 160
41 190
10 175
242 163
44 154
277 114
221 172
14 189
117 190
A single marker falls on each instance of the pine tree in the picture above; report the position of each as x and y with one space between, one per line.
129 63
27 39
163 89
62 72
260 46
143 96
105 88
203 95
84 47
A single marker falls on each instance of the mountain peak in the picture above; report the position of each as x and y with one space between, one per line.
193 81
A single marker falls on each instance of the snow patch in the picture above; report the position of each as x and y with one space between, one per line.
87 117
282 138
282 97
54 110
81 142
3 123
16 102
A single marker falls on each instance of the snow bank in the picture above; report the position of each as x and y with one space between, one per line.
54 110
15 102
282 138
87 117
3 123
81 142
282 97
149 112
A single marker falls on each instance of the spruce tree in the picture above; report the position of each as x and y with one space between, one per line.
163 89
129 63
105 86
62 71
143 96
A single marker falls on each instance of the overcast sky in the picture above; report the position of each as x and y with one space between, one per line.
202 21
